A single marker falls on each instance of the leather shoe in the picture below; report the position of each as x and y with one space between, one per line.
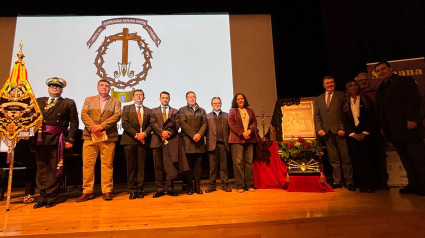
367 190
210 188
50 204
198 190
133 195
189 191
107 196
39 205
85 197
140 194
173 193
351 188
336 185
158 194
226 188
408 190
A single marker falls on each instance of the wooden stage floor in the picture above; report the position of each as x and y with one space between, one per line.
263 213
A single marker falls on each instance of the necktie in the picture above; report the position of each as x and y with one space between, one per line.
51 101
139 117
328 100
164 114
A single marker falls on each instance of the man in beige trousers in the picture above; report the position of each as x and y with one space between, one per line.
100 115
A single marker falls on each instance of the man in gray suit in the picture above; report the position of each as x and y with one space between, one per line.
217 145
328 124
135 122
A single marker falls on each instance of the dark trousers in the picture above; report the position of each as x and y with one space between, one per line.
412 156
135 156
381 162
47 181
363 157
218 157
242 156
339 158
195 165
162 184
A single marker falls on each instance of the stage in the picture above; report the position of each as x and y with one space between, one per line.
263 213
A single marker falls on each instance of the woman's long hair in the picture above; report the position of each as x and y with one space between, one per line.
347 102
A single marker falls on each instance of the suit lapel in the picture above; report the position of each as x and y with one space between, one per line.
109 101
160 115
52 109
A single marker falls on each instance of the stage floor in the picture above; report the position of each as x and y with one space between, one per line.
263 213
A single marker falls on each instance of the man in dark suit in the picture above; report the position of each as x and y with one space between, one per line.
217 145
328 124
59 130
135 122
193 121
165 124
398 104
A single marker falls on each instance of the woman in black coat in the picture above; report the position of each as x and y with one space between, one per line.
359 122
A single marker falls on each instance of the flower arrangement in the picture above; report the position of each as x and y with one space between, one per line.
299 148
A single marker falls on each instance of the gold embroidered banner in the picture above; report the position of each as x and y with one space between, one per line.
20 116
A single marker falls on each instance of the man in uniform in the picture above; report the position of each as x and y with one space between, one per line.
59 130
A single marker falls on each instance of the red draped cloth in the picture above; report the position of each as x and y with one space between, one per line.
271 174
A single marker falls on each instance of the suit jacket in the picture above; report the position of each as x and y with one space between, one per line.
329 119
236 126
130 124
63 114
108 117
401 103
157 125
212 131
193 122
367 120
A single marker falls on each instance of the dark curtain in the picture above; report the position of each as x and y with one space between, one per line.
362 31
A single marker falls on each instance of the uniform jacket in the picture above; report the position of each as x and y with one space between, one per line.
236 126
130 124
63 114
212 131
193 122
92 115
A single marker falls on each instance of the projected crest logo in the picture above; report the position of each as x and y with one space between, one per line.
135 56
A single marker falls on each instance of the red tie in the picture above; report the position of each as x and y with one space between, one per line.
328 100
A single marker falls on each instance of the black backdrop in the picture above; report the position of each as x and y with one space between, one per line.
312 38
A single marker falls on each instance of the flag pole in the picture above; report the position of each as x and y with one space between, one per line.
11 151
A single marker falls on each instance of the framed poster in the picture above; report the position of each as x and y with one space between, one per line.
298 120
